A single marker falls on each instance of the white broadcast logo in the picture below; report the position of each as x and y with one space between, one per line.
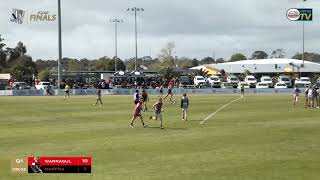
293 14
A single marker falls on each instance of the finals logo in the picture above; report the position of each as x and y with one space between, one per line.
17 16
43 16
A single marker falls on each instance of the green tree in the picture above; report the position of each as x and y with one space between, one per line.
156 66
21 72
168 73
247 72
73 65
21 48
195 63
44 75
27 62
41 64
278 53
2 44
184 63
259 55
207 60
111 65
101 64
237 57
2 54
314 57
220 60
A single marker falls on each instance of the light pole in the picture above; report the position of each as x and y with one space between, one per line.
303 37
60 44
116 21
303 42
135 10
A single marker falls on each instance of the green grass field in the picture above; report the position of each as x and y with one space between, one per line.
255 138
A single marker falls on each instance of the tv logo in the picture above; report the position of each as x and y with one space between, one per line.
299 14
17 16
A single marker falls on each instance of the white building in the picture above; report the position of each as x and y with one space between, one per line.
265 66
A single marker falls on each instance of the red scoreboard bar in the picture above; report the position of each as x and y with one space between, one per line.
59 164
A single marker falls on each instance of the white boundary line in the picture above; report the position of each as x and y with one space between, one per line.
222 107
266 123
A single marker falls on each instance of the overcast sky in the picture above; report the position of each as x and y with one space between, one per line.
199 28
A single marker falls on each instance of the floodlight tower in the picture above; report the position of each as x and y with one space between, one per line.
135 10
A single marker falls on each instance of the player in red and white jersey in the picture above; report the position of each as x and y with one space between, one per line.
137 113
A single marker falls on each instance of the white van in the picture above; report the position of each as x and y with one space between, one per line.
304 80
43 85
215 81
251 80
233 80
286 80
267 80
199 80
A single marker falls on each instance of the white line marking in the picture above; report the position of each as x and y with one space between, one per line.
222 107
266 123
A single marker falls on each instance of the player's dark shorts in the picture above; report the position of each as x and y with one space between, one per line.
137 115
242 90
161 91
169 91
67 91
135 102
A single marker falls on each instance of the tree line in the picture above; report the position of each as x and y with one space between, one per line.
15 61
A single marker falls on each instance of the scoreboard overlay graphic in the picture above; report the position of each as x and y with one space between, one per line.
59 164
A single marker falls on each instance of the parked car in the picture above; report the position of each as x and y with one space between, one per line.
184 80
304 80
262 85
268 80
245 84
233 80
20 85
281 85
199 80
215 81
42 85
251 80
286 80
227 85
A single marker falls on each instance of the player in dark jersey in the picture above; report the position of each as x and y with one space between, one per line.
318 97
172 100
137 113
306 91
136 97
161 91
145 100
98 98
158 108
184 106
